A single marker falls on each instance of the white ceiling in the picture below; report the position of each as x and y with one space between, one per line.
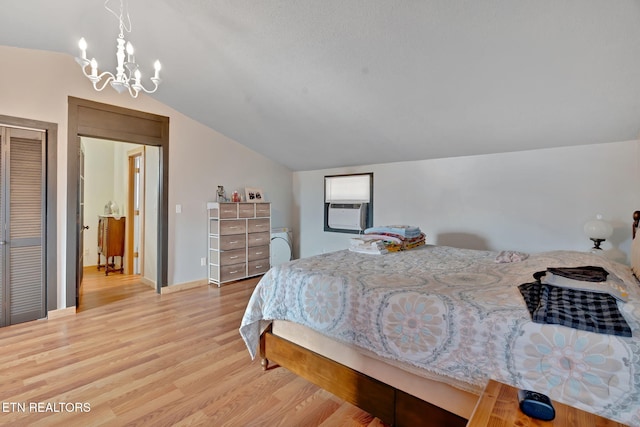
327 83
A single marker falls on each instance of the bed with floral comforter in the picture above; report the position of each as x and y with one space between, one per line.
457 314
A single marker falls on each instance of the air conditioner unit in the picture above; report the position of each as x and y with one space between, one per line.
348 216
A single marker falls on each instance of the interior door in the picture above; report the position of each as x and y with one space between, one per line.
81 226
22 230
135 211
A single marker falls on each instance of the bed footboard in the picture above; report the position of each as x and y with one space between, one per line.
381 400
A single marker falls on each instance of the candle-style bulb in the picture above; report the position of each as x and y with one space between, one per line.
82 44
94 67
157 67
130 52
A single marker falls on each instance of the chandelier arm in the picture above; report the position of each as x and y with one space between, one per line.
133 91
139 86
98 78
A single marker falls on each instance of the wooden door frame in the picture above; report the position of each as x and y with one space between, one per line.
51 223
103 121
131 155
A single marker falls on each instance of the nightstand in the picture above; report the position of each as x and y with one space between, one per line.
498 407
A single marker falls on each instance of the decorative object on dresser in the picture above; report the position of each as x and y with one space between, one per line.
239 238
111 243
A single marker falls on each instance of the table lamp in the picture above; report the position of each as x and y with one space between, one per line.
598 230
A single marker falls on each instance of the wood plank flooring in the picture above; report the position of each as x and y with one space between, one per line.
132 357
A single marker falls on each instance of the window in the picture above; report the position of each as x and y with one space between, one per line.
348 202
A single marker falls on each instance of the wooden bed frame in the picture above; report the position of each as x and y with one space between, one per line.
389 404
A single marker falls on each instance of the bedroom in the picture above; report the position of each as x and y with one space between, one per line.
509 198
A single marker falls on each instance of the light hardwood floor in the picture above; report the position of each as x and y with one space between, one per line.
132 357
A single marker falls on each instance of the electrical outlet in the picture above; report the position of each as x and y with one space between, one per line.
203 262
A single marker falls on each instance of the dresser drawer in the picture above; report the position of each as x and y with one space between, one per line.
259 239
258 267
246 210
258 252
233 257
233 227
258 225
233 241
228 210
232 272
263 209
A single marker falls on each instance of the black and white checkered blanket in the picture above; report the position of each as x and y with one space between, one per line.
578 309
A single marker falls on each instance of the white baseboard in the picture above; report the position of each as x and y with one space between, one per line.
183 286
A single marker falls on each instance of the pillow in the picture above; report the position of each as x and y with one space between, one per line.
612 286
635 256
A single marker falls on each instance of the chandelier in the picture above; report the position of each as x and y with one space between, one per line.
127 76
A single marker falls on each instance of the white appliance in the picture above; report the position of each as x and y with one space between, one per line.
347 216
281 246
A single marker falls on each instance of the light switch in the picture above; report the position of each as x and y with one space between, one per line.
178 208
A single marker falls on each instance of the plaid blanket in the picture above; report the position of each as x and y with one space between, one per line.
578 309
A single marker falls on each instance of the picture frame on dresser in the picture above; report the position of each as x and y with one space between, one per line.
253 194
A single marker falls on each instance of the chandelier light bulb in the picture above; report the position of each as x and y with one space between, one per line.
94 67
82 44
130 57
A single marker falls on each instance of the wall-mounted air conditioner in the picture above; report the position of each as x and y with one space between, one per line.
348 216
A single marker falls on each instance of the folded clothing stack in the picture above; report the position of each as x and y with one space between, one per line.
397 237
367 245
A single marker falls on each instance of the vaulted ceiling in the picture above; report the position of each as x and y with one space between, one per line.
326 83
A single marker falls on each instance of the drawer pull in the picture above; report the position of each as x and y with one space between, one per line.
261 225
234 257
258 239
234 242
233 272
258 253
258 266
234 226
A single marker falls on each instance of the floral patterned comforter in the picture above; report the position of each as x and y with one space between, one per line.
457 314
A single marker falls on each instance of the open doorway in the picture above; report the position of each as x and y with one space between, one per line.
116 228
102 121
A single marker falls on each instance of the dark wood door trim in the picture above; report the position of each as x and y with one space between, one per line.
96 120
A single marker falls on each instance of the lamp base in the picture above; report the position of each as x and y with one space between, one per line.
596 243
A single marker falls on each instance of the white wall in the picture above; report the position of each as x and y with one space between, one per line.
36 84
530 201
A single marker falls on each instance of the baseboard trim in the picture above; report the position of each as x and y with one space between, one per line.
184 286
148 282
61 312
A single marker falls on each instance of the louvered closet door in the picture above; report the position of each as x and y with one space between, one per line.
23 171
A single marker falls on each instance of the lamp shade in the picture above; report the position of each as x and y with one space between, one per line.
598 228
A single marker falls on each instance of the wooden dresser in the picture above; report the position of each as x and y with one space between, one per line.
111 243
239 240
